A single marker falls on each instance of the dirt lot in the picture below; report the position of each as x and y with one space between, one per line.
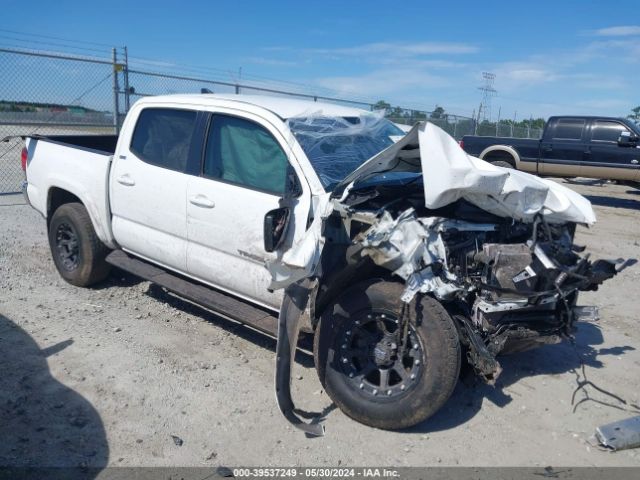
126 374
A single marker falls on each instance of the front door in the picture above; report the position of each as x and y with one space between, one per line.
607 159
244 173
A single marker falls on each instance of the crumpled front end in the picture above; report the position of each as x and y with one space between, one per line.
494 245
510 285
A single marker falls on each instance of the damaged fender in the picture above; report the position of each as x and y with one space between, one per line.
295 302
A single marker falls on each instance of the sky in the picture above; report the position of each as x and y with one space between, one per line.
548 57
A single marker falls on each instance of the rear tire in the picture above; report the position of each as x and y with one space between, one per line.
355 335
77 252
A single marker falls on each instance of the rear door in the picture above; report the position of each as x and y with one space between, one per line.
149 184
563 146
606 159
244 169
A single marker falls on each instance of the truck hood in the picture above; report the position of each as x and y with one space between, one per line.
449 174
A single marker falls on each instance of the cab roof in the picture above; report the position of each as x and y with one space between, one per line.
283 107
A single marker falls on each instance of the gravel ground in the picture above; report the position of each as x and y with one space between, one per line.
128 375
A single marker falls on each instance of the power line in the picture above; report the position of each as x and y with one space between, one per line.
54 38
52 54
39 42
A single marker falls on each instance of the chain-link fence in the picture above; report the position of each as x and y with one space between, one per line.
49 94
54 94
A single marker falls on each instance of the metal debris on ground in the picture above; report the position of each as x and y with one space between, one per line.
620 435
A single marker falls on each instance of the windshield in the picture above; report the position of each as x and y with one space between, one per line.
336 146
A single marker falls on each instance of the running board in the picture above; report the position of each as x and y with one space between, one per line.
215 300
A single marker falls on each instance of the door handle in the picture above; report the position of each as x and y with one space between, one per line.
547 149
201 201
126 180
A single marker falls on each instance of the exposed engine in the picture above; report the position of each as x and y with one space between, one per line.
510 285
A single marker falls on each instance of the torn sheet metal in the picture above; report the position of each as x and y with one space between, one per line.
410 247
450 174
620 435
294 303
301 260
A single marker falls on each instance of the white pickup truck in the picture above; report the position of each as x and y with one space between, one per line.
401 253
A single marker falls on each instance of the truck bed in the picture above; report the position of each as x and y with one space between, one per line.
98 143
75 163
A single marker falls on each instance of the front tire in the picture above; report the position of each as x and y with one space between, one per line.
77 252
361 366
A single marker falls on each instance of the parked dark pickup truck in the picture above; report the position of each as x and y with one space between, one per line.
595 147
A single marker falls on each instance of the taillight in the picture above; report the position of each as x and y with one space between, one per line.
461 144
23 158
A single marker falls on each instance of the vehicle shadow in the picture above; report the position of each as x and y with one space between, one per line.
118 278
304 354
592 182
44 423
471 392
602 201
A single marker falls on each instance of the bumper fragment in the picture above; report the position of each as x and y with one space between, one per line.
620 435
24 187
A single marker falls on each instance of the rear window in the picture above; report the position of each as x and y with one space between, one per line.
162 137
606 131
569 129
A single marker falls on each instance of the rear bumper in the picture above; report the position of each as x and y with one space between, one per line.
25 184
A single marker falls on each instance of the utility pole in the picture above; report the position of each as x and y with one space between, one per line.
488 92
238 80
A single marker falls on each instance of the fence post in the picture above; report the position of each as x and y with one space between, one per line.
116 107
237 89
127 100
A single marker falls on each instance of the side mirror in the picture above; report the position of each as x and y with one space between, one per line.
627 139
293 189
275 228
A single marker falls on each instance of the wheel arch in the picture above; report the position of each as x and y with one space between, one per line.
339 280
501 152
58 196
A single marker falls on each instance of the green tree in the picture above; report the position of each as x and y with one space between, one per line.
418 115
635 115
382 105
438 112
